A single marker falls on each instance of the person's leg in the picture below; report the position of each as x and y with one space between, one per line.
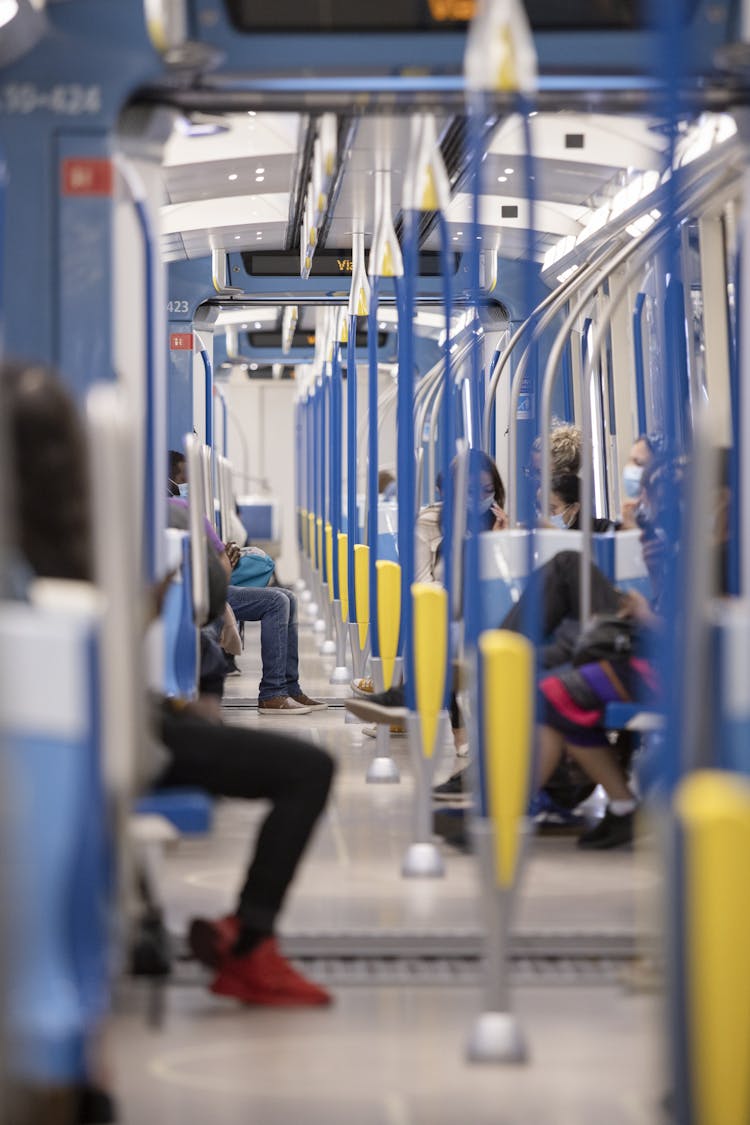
233 762
271 608
550 747
296 778
292 647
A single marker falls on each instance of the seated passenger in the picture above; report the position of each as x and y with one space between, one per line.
641 454
52 513
429 530
279 692
565 505
565 441
177 474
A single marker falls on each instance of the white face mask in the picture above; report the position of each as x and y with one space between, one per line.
183 490
631 480
486 503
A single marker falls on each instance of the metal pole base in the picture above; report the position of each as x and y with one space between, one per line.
305 596
340 674
319 625
300 585
496 1038
423 861
311 609
383 771
328 648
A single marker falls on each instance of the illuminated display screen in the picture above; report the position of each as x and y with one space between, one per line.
425 15
326 263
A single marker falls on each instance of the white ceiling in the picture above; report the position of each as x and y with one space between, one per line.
234 190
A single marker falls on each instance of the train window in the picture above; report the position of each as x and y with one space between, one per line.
430 15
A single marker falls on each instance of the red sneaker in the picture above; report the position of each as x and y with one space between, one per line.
212 942
263 976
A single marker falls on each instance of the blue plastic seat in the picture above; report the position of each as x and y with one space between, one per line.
189 810
55 838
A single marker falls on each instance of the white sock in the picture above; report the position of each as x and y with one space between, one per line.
624 806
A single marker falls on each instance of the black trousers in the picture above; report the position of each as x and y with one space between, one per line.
235 762
555 587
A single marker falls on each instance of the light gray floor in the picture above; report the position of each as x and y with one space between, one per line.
392 1055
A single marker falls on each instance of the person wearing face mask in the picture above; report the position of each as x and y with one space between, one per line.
177 474
641 455
565 505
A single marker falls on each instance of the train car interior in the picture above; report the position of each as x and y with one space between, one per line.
375 562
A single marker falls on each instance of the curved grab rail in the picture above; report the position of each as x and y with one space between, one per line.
641 249
557 296
540 325
197 507
645 243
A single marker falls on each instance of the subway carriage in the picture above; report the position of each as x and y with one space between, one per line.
375 562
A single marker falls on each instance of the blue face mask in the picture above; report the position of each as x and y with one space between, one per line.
486 503
183 490
631 481
558 521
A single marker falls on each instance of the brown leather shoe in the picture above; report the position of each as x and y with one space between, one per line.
282 705
311 704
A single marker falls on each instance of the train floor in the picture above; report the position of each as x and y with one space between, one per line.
401 957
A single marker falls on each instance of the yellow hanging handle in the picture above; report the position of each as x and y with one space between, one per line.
507 671
714 808
362 590
329 560
389 615
430 654
344 574
319 541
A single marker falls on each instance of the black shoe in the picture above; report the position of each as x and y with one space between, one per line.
231 668
450 789
385 707
452 826
95 1107
611 832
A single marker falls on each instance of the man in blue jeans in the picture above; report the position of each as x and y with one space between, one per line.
276 609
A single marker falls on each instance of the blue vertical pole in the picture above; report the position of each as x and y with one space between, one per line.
316 470
324 452
567 369
734 561
336 461
372 461
448 435
405 448
352 519
209 397
640 377
472 623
